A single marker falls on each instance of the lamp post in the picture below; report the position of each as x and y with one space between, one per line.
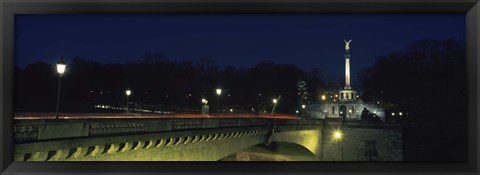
128 92
337 135
219 92
60 70
275 102
274 105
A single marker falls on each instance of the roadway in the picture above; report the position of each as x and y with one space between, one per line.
39 116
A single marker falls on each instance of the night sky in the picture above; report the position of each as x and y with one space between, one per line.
307 41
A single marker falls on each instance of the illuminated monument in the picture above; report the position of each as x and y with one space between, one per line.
346 104
347 93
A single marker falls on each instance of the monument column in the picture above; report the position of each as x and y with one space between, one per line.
347 64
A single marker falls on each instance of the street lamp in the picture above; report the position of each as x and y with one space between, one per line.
275 101
338 135
204 101
219 92
61 66
128 92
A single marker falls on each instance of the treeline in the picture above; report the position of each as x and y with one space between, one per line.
159 83
428 80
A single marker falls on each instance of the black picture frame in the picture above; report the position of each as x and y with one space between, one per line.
8 8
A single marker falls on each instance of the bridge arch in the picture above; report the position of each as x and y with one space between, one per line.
276 151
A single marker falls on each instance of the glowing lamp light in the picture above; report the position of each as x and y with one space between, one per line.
61 68
337 135
219 91
128 92
231 110
324 97
303 106
393 114
296 111
275 101
350 111
400 113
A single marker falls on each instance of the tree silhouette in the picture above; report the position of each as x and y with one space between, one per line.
427 80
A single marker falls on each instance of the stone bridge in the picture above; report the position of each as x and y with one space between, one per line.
205 139
155 139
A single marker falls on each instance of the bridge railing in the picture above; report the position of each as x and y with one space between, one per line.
38 130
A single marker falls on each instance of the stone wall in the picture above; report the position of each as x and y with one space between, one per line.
362 142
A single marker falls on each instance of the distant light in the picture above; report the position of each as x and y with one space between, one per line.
296 111
189 95
274 101
128 92
378 102
259 94
219 91
324 97
393 114
341 112
229 95
231 110
331 96
400 113
253 109
204 100
101 93
358 96
325 111
303 106
350 111
336 95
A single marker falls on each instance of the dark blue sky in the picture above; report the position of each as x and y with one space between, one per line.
307 41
